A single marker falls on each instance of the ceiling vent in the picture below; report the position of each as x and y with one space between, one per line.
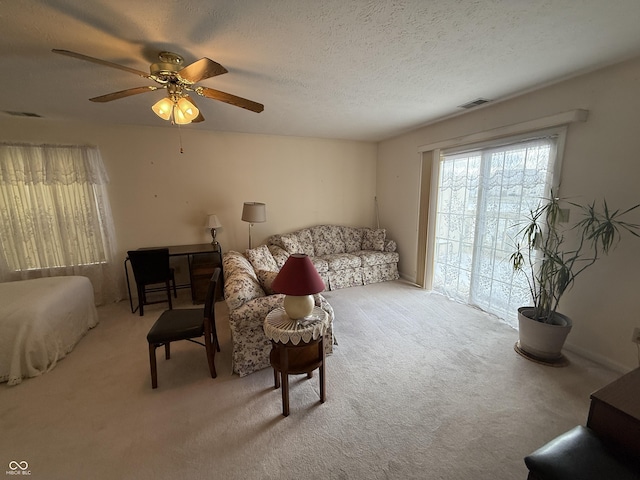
474 103
23 114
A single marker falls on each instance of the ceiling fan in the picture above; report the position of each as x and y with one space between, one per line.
170 74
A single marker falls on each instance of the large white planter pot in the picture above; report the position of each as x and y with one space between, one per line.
542 341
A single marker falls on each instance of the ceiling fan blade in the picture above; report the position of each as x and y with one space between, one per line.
199 118
100 62
123 93
231 99
201 69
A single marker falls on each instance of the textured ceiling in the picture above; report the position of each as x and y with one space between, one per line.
352 69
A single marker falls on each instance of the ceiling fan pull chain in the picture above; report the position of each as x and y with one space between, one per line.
180 136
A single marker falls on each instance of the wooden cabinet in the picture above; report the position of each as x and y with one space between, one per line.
615 412
201 269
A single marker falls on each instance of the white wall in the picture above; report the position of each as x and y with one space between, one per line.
161 197
602 160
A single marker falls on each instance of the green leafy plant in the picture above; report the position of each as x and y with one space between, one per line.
552 253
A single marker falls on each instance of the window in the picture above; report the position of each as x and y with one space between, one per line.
483 194
54 212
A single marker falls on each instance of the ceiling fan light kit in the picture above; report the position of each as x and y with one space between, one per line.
169 73
181 111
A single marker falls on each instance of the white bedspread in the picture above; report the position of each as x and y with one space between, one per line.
41 320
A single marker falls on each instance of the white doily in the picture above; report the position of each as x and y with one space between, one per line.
280 328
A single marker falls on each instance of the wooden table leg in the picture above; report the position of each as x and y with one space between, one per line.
284 373
323 386
276 374
154 366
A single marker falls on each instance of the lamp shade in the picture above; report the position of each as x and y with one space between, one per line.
188 109
298 277
163 108
213 222
179 117
254 212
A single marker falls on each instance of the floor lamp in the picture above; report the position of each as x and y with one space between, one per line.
254 212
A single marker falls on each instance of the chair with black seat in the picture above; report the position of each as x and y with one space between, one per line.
186 324
151 267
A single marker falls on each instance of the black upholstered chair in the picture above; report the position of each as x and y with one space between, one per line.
580 454
187 324
151 267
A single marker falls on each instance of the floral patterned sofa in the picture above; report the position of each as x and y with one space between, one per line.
343 256
248 294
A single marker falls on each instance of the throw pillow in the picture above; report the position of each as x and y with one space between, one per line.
305 240
261 259
327 239
373 239
266 278
352 239
279 254
291 243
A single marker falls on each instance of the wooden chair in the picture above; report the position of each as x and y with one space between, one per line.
186 324
151 267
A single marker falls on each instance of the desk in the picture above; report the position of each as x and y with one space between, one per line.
189 251
615 412
297 347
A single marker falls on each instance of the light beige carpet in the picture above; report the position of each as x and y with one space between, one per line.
419 387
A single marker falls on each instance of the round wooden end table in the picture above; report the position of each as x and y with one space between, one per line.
297 347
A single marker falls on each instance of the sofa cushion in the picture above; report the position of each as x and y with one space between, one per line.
321 264
373 239
306 242
266 278
240 281
369 257
342 261
261 259
352 239
275 240
327 239
290 243
279 255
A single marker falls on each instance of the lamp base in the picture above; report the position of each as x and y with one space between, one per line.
298 307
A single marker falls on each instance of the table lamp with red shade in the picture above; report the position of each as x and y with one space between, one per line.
298 280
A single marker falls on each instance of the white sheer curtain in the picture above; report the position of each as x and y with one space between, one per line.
55 214
482 196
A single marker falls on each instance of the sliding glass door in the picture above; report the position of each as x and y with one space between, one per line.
483 194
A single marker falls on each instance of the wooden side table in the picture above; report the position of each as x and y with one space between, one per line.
297 347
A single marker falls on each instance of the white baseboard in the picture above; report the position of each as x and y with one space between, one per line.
408 278
594 357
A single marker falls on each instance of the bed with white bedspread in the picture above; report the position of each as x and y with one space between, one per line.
41 320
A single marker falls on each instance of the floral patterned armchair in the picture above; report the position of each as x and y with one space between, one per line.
249 297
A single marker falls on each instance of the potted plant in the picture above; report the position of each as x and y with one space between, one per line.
552 253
